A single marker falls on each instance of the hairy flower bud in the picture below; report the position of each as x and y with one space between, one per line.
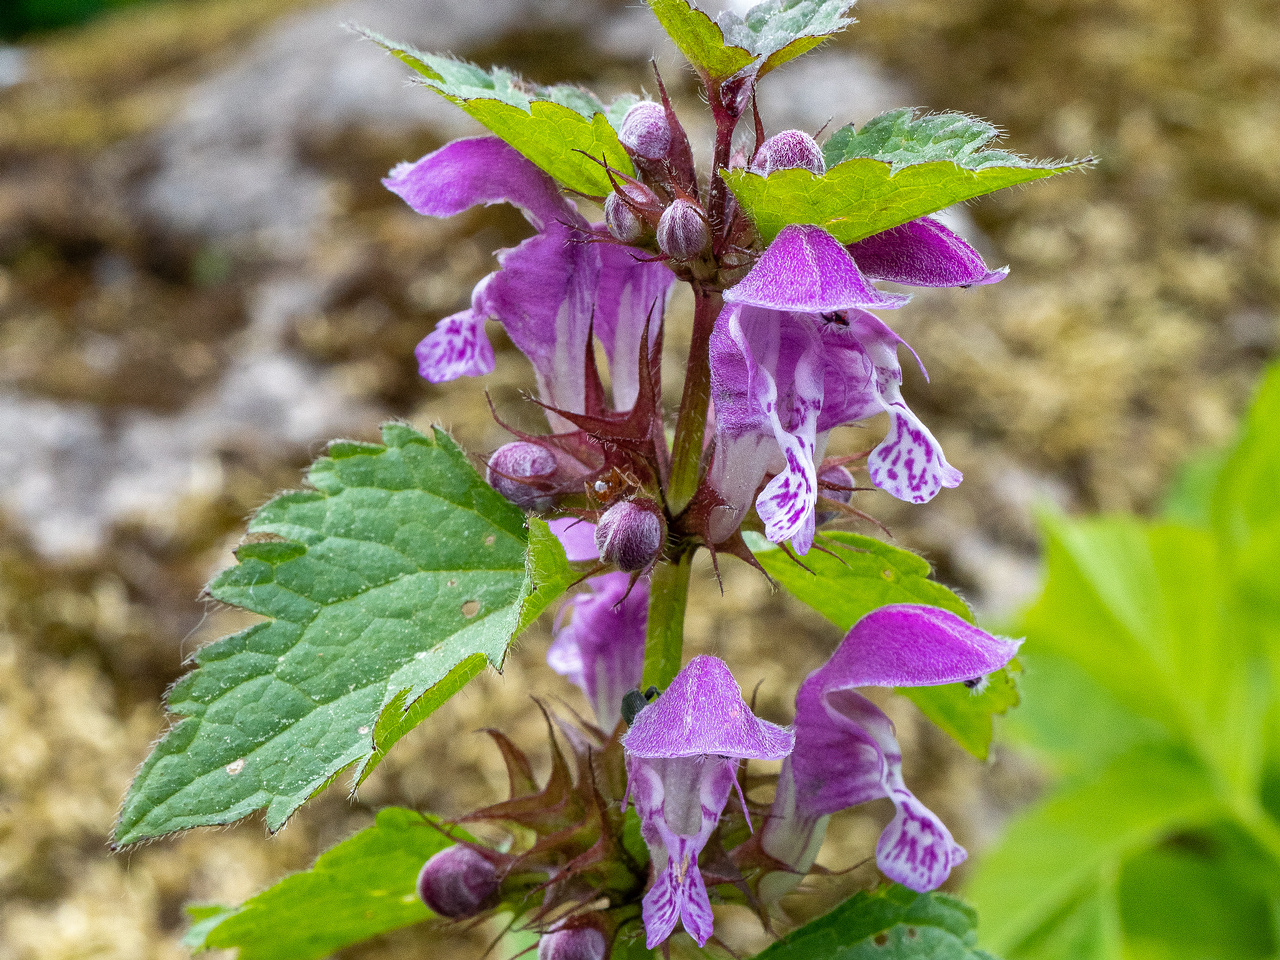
574 943
834 483
514 463
682 231
458 882
645 131
788 149
624 223
631 534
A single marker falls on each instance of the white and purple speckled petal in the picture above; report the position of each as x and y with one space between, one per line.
679 802
806 270
703 713
457 347
909 462
788 503
846 752
923 253
916 849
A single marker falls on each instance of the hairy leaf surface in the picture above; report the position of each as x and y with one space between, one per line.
388 587
891 923
363 887
566 130
897 168
861 574
771 33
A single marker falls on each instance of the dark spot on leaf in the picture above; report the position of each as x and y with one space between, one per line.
470 608
881 939
912 933
490 540
887 573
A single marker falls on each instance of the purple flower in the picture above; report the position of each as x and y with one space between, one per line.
682 756
598 636
599 642
846 752
923 253
549 289
795 354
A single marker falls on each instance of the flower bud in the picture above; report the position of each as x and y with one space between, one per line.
574 943
458 883
631 534
623 222
645 131
513 463
682 231
790 148
834 483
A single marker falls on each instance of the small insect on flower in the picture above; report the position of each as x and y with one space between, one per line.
635 700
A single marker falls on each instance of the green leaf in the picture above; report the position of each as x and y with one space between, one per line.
1051 854
861 574
364 886
771 34
891 923
565 130
1245 504
897 168
1178 902
1086 929
1147 612
388 587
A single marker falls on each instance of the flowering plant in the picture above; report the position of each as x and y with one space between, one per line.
404 572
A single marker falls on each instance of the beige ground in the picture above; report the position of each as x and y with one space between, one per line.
1143 301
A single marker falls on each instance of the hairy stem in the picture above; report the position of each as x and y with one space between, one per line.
691 425
664 636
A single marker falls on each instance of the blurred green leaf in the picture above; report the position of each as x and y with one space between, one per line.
364 886
891 923
897 168
860 574
1178 902
390 585
1163 638
1049 856
771 33
565 130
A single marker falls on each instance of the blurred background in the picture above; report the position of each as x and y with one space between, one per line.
202 281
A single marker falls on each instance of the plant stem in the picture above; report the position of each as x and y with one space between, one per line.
664 635
691 425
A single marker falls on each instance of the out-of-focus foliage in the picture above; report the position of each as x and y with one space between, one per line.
18 17
1153 660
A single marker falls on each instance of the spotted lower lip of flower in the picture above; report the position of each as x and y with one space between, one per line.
781 381
682 757
846 752
551 290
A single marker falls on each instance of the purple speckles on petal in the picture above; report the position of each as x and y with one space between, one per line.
846 752
806 270
909 463
457 347
916 849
